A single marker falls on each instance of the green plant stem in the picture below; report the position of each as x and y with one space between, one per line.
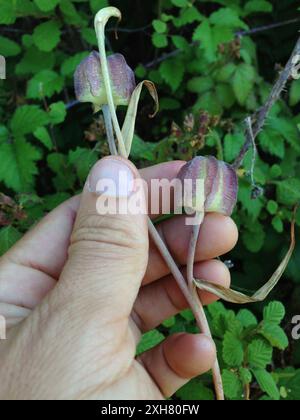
197 301
109 130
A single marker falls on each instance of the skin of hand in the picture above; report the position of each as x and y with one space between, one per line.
79 290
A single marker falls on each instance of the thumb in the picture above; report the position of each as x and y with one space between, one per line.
108 253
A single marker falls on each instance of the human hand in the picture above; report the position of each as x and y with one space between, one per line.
77 297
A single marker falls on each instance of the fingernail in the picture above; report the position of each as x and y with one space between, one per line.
112 178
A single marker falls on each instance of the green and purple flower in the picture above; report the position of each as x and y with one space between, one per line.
89 84
220 183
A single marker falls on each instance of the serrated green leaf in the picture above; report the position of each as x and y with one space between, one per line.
18 166
97 5
42 134
46 5
170 322
46 36
69 65
83 161
277 224
232 384
227 17
216 309
233 352
252 207
159 26
8 237
57 113
188 315
180 3
34 61
200 84
288 129
7 12
160 40
4 133
65 175
255 6
27 119
172 71
275 335
274 312
272 142
142 150
9 48
70 13
254 237
195 390
245 376
45 84
225 73
288 191
209 103
247 318
243 82
272 207
89 35
54 200
295 93
232 145
204 35
267 383
225 95
149 340
259 354
188 15
180 42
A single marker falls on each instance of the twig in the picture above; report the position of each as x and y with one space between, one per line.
251 135
130 30
265 28
259 118
239 34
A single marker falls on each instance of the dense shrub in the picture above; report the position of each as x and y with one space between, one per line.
215 60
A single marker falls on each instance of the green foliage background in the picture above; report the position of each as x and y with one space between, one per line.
206 60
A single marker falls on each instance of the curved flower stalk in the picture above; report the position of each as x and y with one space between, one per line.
220 196
124 138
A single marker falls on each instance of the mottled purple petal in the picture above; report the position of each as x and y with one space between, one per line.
89 85
221 183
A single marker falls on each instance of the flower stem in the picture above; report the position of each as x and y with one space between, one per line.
217 378
109 130
193 300
100 31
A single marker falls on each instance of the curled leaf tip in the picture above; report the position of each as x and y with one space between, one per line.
153 92
103 16
232 296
